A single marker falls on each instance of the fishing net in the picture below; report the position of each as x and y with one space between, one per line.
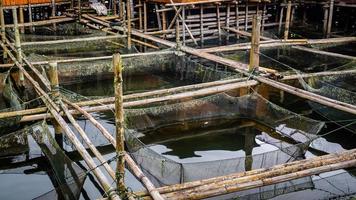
33 150
209 112
340 87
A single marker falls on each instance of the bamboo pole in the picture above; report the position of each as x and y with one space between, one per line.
201 25
131 163
183 22
119 121
54 10
325 20
227 18
140 23
246 15
114 4
144 16
255 43
18 45
177 35
218 23
53 78
330 20
3 33
30 20
288 16
128 11
280 20
237 23
158 17
71 40
21 20
79 10
43 22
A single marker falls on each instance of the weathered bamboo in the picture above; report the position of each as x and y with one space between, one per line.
218 22
53 78
288 16
114 5
128 33
280 20
87 141
79 10
201 25
140 23
325 20
246 15
177 35
330 19
158 17
237 23
72 40
144 16
183 27
30 20
42 23
21 20
255 43
131 163
3 33
119 122
54 10
18 45
317 51
227 19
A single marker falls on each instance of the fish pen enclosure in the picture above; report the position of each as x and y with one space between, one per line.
177 99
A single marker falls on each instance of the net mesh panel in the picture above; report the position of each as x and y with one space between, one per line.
339 87
165 171
69 176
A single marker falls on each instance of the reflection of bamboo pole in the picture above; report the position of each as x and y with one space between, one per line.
119 121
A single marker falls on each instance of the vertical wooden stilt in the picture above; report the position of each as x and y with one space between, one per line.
21 20
72 4
177 34
144 16
140 24
119 122
159 23
183 22
325 20
53 78
201 25
255 43
18 43
218 22
79 10
237 22
330 20
128 11
114 7
246 15
121 9
227 21
3 33
54 11
164 22
292 16
30 17
264 12
280 20
288 14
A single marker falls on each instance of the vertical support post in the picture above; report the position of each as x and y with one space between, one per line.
183 22
144 16
325 19
18 43
164 22
280 20
330 20
218 20
3 33
53 78
288 14
114 7
264 13
246 15
237 19
227 21
21 20
201 25
159 23
119 122
255 43
30 19
128 11
177 34
292 16
54 11
72 4
140 24
79 10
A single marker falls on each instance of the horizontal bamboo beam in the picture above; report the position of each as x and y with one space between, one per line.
72 40
42 23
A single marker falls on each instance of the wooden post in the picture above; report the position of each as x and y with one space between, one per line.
263 17
54 12
218 21
255 43
21 20
183 22
30 17
3 33
280 20
325 20
292 16
246 15
53 78
177 34
119 121
237 19
18 43
201 25
286 30
140 24
72 4
144 16
159 22
227 20
164 22
114 5
128 11
330 20
79 10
